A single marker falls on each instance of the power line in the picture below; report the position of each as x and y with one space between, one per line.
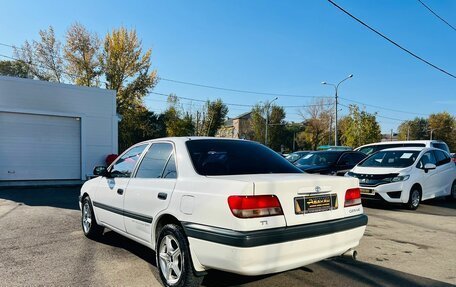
234 104
377 115
383 108
391 41
436 15
237 90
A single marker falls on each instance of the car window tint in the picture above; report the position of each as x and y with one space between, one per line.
153 164
441 157
369 149
414 145
394 159
125 165
231 157
346 159
357 157
441 146
170 169
428 157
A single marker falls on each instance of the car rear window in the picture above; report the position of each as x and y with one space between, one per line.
441 146
233 157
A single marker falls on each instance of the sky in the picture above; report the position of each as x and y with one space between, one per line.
285 47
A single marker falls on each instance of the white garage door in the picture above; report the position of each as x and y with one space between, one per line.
39 147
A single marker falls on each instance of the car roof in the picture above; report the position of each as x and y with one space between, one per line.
402 142
406 149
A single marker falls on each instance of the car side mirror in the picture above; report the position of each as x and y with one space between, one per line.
429 166
101 171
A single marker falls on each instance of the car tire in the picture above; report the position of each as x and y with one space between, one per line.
452 195
414 199
89 224
173 258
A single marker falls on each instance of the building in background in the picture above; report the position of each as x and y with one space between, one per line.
53 131
237 128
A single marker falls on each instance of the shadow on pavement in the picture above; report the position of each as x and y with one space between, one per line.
438 206
61 197
334 272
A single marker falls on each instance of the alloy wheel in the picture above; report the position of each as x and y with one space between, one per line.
415 198
86 217
171 260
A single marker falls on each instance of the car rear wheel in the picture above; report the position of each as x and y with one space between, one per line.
414 199
89 224
173 258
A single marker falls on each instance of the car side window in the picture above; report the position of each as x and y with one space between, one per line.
156 162
170 169
428 157
357 157
441 157
346 159
125 165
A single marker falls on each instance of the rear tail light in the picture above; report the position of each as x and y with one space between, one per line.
254 206
352 197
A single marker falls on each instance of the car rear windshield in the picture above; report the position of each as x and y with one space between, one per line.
233 157
394 159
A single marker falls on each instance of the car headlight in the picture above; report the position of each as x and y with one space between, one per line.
349 173
400 178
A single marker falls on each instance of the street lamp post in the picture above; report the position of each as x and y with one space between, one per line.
268 105
336 88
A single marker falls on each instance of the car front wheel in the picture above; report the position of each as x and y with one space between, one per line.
452 195
173 258
414 199
89 224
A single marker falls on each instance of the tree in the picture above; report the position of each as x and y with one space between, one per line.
178 124
14 69
140 125
317 119
81 52
276 128
216 112
359 128
126 68
44 57
276 122
443 127
415 129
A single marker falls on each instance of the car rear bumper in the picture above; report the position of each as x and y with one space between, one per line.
274 250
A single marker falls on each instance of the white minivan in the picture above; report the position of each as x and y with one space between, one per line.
406 175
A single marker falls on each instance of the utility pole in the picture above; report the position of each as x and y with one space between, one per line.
336 88
267 106
391 138
408 132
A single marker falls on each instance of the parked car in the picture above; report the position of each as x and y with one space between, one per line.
407 175
333 147
233 205
329 162
453 157
294 156
374 147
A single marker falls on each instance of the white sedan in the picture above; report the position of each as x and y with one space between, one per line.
407 175
232 205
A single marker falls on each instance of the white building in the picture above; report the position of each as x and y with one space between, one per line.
52 131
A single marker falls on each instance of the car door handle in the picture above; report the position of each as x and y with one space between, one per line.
120 191
162 195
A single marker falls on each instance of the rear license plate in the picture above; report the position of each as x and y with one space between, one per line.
315 203
367 191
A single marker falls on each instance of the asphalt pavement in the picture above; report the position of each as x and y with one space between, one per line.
41 243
